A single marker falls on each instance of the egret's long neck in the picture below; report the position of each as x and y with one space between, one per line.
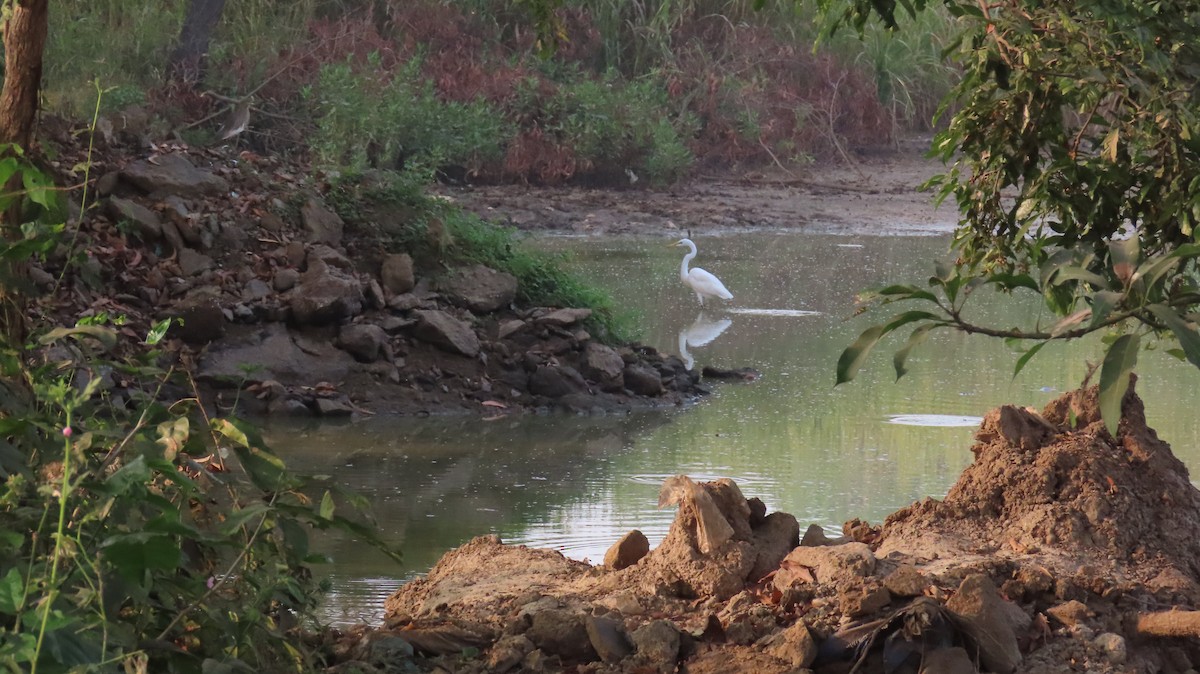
683 266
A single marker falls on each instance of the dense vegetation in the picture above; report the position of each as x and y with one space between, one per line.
652 90
1076 171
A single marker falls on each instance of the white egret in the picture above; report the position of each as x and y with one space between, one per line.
703 283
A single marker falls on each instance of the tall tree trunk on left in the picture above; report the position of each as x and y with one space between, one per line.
24 43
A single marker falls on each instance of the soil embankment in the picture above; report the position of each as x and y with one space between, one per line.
1060 548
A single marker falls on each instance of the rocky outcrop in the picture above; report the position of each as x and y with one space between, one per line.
446 332
325 294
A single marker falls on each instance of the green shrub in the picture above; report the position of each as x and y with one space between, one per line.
367 118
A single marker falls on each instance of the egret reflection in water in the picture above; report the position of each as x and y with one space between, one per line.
700 333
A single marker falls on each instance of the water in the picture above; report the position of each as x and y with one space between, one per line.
822 453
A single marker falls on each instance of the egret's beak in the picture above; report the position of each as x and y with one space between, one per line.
673 244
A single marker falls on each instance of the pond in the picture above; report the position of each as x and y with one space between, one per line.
791 438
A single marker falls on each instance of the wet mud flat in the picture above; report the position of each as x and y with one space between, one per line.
1060 548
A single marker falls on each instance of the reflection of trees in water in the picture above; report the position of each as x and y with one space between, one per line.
700 333
435 483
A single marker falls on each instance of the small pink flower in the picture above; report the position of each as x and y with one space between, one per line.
66 431
212 580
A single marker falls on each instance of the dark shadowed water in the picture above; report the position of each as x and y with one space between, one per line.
824 454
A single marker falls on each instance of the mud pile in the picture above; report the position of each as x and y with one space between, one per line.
1059 549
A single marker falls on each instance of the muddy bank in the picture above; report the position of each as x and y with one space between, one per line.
879 194
1060 548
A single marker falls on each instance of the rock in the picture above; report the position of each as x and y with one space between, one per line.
295 253
565 317
328 255
107 184
991 621
556 381
1113 646
794 645
256 289
271 352
288 407
192 263
607 637
321 225
334 407
364 341
446 332
604 366
1070 613
906 581
480 289
285 279
40 277
642 380
561 632
508 653
387 650
510 328
396 273
831 563
864 600
325 295
774 537
174 174
201 319
815 536
375 294
404 302
146 221
271 222
627 551
948 661
657 642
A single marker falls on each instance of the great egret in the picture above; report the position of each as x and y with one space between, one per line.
703 283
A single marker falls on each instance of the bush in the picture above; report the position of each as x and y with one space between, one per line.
368 119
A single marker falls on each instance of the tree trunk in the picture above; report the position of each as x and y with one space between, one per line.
24 42
188 60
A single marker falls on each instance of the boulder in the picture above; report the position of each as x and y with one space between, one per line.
508 652
556 381
256 289
480 289
321 225
993 622
642 380
906 581
607 637
174 174
446 332
144 220
329 255
794 645
271 352
192 262
657 643
325 295
334 407
562 633
201 319
773 538
832 563
285 279
396 273
565 317
364 341
627 551
604 366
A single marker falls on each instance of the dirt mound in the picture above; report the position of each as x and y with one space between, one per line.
1059 549
1057 483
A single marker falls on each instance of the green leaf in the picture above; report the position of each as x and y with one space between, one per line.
1026 357
908 292
1010 281
158 331
1188 338
1114 378
134 472
134 554
918 335
1103 303
106 336
172 435
326 510
854 355
12 589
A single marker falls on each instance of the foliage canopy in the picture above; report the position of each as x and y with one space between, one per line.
1075 163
